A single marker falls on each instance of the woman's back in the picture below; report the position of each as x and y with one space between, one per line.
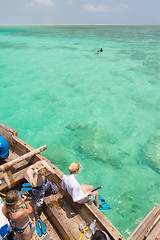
19 217
70 183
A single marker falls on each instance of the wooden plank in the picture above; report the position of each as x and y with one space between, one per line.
88 212
65 218
18 177
20 147
8 177
19 171
8 133
7 130
154 233
7 180
145 224
17 166
52 233
23 157
12 155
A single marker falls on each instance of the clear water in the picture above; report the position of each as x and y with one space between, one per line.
102 110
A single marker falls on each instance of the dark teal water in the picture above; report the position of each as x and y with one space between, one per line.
102 110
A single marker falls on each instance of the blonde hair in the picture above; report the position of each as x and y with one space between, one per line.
11 201
74 167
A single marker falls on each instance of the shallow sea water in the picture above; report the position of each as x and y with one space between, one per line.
102 110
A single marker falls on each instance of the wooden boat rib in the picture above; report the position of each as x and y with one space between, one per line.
60 214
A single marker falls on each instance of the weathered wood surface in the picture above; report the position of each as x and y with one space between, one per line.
70 214
64 216
8 133
146 226
155 231
18 166
6 167
23 157
18 170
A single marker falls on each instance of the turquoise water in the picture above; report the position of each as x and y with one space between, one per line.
101 110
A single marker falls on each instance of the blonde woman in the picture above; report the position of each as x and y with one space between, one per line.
79 193
17 216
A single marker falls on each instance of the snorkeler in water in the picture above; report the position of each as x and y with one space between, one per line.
99 50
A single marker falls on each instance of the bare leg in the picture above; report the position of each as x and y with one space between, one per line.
86 188
96 198
36 209
27 233
18 236
158 238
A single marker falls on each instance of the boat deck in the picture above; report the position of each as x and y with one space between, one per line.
64 216
61 216
52 233
55 208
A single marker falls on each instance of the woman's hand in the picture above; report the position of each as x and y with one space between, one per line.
90 193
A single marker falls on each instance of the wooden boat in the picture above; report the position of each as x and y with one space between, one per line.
60 214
